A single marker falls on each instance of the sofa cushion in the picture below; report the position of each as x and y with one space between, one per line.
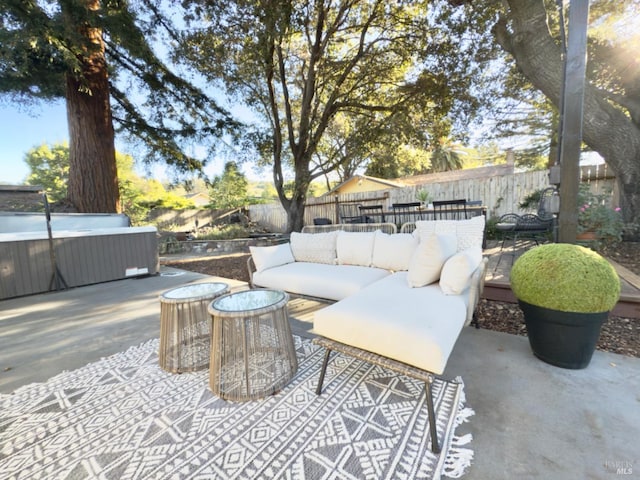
271 256
468 232
457 271
418 326
393 252
428 259
314 247
355 248
333 282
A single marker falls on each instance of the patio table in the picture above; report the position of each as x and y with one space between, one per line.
185 326
252 350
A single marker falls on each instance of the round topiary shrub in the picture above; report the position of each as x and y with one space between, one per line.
565 277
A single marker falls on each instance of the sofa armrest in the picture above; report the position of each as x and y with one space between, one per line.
476 288
251 267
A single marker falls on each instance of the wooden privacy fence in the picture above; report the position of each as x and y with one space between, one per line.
499 193
191 219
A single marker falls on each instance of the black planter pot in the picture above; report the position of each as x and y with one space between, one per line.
563 339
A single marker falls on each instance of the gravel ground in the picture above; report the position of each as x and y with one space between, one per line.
619 335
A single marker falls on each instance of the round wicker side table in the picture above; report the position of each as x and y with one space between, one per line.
185 326
252 350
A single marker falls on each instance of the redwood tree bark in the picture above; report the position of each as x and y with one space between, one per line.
93 180
607 127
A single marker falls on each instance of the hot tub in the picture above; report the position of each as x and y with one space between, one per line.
83 257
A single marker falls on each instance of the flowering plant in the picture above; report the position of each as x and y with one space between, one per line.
596 215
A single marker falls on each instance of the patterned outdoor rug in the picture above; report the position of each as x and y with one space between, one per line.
123 418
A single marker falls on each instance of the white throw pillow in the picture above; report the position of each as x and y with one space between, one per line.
272 256
393 252
428 259
314 247
355 248
469 232
456 273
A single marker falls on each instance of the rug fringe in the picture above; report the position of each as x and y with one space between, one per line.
459 459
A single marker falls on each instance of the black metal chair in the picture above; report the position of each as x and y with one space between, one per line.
531 227
406 212
321 221
537 227
372 213
544 206
506 227
350 213
450 210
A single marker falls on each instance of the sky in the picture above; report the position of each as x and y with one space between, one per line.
22 129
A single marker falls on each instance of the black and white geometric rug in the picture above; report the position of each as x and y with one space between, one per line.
123 417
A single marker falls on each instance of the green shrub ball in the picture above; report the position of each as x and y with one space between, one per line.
565 277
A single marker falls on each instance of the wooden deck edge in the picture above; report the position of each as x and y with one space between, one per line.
627 309
627 274
627 306
498 292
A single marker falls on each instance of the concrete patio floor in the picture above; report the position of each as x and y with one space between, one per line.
532 420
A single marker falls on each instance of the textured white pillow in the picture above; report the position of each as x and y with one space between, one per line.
428 259
272 256
456 273
469 232
314 247
393 252
355 248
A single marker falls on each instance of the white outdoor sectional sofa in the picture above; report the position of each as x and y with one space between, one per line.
401 299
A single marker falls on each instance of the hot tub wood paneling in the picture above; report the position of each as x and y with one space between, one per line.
83 258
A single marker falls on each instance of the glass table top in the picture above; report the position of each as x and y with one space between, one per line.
196 290
248 300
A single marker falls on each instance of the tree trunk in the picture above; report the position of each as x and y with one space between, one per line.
93 180
298 202
606 128
295 214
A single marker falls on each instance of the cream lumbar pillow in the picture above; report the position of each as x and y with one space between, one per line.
314 247
272 256
393 252
428 259
456 273
355 248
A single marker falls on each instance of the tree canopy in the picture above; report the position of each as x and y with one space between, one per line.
229 189
49 167
99 55
306 68
334 84
529 31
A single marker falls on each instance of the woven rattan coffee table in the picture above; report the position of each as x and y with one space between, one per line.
252 350
185 326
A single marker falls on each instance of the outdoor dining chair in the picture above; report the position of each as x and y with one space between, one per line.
350 213
406 212
372 213
450 210
537 227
